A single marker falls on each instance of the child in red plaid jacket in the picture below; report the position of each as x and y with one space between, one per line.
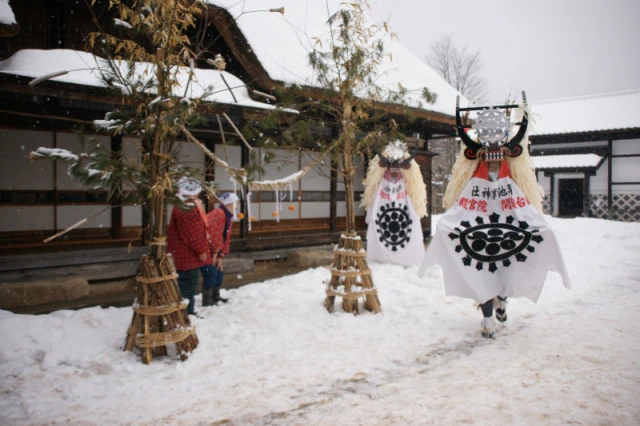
219 221
188 242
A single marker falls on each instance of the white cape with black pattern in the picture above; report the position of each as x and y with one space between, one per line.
493 242
394 233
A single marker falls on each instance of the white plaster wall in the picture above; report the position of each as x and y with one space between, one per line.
316 210
26 218
545 182
626 170
131 216
283 163
190 155
318 178
233 157
16 171
599 182
630 146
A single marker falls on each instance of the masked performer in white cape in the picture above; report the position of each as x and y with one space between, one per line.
493 241
395 197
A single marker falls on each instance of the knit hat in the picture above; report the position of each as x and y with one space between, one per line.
228 198
189 187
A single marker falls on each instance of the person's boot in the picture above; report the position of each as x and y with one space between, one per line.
207 296
488 325
488 328
216 296
501 308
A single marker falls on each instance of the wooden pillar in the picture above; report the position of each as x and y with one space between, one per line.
428 180
333 198
333 189
244 223
209 172
117 199
609 179
552 193
585 195
55 184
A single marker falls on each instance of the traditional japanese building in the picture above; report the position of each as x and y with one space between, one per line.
262 50
586 152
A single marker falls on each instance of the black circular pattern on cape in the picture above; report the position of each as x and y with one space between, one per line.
393 225
495 241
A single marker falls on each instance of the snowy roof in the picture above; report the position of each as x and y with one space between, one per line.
609 111
571 161
84 68
6 14
282 44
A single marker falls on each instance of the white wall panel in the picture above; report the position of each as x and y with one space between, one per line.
626 169
69 215
599 182
318 178
545 182
131 216
631 146
26 218
282 164
190 155
16 171
341 209
232 156
315 210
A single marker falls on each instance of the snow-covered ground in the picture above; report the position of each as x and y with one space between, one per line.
273 355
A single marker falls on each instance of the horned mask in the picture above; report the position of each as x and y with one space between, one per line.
493 130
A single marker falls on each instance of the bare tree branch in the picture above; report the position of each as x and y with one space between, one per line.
459 66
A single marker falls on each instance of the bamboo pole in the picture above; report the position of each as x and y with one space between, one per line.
224 114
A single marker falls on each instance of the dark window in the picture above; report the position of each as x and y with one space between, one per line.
267 196
313 196
71 197
4 47
97 197
26 197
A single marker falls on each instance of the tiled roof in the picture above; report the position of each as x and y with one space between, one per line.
572 161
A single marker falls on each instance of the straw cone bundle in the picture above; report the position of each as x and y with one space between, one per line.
351 277
159 317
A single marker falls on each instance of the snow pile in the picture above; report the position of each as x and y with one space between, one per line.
273 355
84 68
606 111
6 13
